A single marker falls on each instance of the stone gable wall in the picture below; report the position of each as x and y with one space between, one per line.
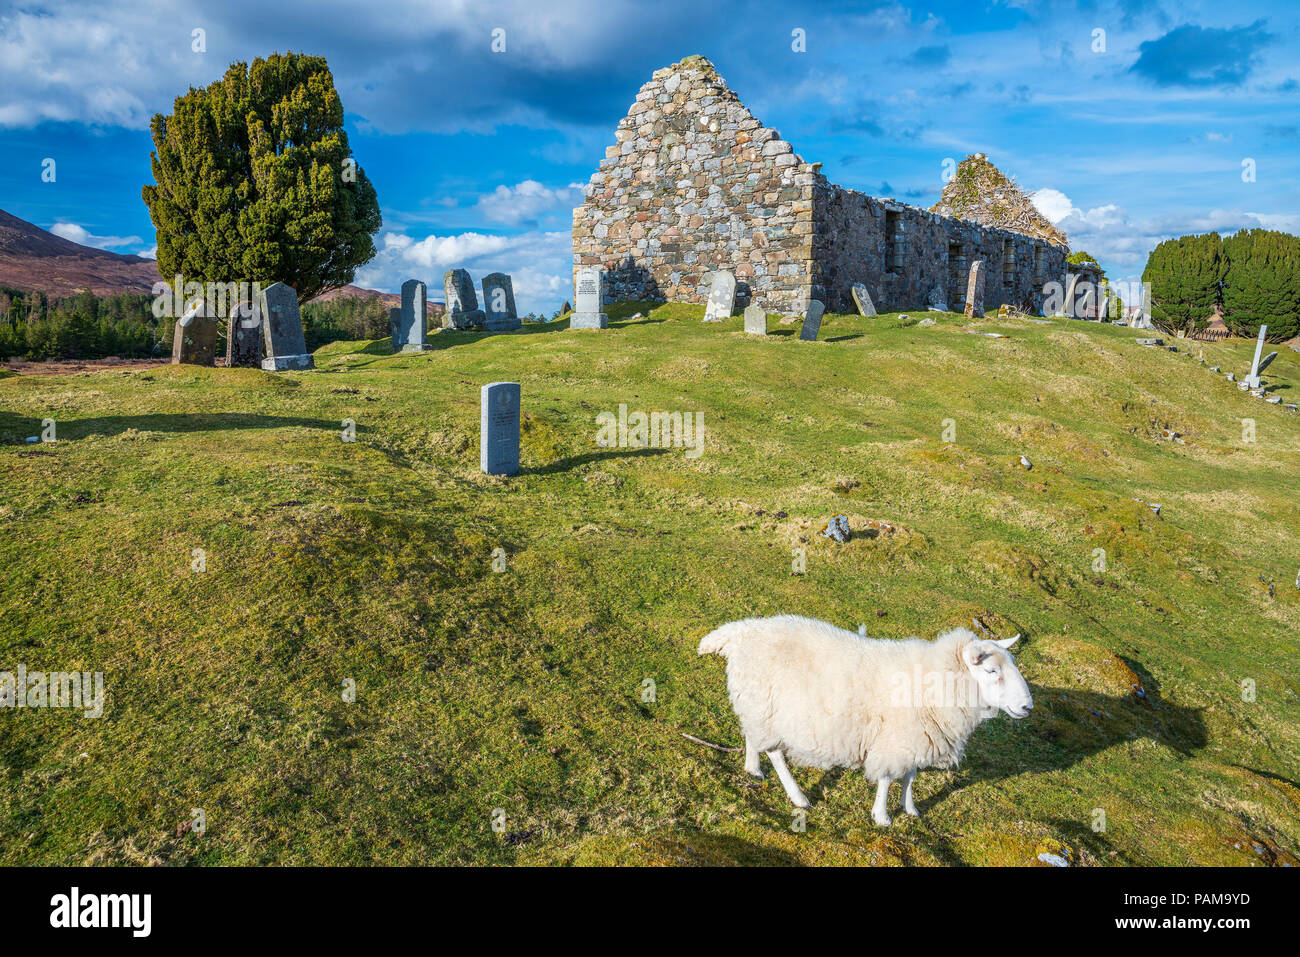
695 183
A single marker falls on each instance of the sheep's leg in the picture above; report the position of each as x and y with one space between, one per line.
908 805
878 812
787 779
752 763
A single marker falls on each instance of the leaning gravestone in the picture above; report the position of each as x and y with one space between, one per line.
462 304
862 299
975 291
756 320
194 340
283 346
499 303
812 323
244 336
722 296
1252 380
589 294
499 428
1067 306
412 320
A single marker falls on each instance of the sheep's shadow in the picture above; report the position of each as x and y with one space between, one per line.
1069 725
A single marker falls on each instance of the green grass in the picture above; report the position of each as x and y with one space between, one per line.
523 690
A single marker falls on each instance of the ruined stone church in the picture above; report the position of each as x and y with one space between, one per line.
695 183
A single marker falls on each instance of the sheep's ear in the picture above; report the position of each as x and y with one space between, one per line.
1006 642
974 654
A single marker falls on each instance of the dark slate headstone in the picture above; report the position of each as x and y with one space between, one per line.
756 320
394 324
499 303
283 346
589 294
194 340
812 323
499 428
412 320
462 303
244 336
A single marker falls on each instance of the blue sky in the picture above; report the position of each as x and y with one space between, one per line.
1128 136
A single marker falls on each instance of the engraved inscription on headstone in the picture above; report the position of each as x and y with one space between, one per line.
589 294
499 428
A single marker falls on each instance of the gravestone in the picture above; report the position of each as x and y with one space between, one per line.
412 319
812 322
1067 304
194 340
756 320
244 336
1252 381
722 296
394 323
283 346
499 428
589 294
499 303
975 291
862 299
937 302
462 304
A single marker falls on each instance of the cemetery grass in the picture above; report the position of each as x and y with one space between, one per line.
526 694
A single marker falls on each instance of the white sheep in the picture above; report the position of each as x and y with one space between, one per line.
832 698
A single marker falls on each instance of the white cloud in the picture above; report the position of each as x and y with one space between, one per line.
82 236
539 264
1053 204
527 202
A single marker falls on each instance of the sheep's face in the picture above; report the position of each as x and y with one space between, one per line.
1001 684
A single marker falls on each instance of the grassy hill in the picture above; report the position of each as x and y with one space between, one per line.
523 690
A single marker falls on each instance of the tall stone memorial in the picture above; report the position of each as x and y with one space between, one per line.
812 322
283 346
413 319
722 296
462 302
1253 380
499 303
975 290
194 340
244 336
499 428
394 323
589 294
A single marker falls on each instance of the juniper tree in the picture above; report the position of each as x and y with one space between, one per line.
254 181
1184 274
1263 284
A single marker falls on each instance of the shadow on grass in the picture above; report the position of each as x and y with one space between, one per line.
573 461
72 429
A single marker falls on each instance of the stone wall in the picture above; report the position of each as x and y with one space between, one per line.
696 183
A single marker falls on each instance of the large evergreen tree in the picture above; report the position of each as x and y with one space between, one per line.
1184 274
1263 284
254 181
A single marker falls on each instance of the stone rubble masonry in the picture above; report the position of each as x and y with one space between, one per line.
695 183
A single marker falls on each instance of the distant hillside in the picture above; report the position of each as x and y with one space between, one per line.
389 299
35 259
